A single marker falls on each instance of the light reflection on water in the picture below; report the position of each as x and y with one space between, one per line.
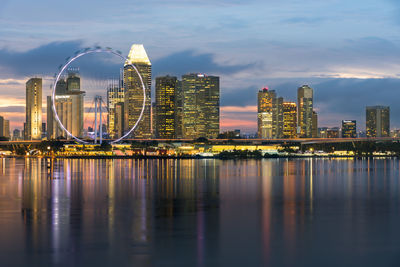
272 212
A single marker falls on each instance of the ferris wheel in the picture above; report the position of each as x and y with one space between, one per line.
97 109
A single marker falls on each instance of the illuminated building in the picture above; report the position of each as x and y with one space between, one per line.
153 120
270 114
115 95
378 121
178 110
395 133
322 132
200 94
349 129
278 118
333 132
70 108
133 102
289 119
166 88
119 119
5 131
33 109
314 133
305 111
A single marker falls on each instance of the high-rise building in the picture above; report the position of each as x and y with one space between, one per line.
349 129
166 88
16 135
278 118
200 106
2 120
119 120
69 102
265 111
270 114
304 111
33 109
134 92
314 132
115 95
378 121
178 110
289 120
6 128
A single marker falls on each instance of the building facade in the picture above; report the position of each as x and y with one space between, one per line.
200 99
378 121
165 115
115 95
69 103
289 120
133 94
270 114
333 132
305 111
314 132
33 109
349 129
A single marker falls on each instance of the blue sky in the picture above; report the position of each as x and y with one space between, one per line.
349 51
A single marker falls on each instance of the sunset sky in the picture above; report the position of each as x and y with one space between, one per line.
348 51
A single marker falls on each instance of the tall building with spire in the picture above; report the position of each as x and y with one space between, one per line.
133 98
305 111
33 109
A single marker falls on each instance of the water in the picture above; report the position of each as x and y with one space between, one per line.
271 212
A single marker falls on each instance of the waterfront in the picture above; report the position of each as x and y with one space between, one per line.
269 212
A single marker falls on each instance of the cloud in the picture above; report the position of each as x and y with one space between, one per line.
189 61
13 109
304 20
46 59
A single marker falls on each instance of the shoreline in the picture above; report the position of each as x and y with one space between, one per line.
199 157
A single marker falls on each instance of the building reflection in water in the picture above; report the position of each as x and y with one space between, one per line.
192 212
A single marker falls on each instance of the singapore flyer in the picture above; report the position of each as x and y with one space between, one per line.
86 102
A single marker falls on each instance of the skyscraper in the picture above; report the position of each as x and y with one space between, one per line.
178 110
115 95
33 109
314 127
69 105
119 120
270 114
289 119
134 92
378 121
166 89
6 128
304 111
266 100
200 94
349 129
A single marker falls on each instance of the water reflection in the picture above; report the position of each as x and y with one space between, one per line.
277 212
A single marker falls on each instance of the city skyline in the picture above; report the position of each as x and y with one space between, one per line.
246 49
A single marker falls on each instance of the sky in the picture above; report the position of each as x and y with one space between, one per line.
348 51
